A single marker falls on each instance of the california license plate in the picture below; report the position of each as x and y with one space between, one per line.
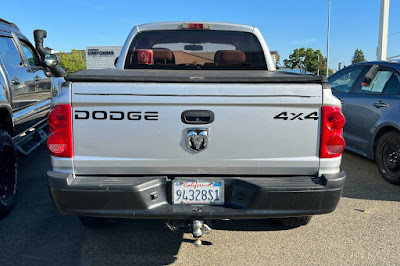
198 192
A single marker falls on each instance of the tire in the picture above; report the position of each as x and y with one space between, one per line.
97 221
387 156
8 173
293 222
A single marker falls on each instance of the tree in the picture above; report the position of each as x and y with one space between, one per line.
308 60
73 62
358 56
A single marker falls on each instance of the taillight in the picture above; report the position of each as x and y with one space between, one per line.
56 118
60 123
195 26
332 142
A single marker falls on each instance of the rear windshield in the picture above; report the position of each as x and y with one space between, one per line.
195 49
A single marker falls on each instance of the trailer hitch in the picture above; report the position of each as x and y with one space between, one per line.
196 227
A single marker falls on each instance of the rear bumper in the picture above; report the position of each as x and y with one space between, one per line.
150 197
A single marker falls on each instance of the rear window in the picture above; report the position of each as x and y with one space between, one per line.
195 49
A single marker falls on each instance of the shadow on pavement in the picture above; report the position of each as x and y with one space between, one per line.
364 180
35 233
243 225
142 242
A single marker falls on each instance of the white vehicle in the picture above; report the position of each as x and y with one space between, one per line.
195 124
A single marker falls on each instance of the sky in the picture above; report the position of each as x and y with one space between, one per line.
285 24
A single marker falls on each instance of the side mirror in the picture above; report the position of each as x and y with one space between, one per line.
51 60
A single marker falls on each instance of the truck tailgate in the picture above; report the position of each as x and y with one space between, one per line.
245 137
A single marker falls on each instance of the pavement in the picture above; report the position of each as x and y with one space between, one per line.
364 230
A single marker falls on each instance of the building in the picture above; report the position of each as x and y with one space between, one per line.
275 56
100 57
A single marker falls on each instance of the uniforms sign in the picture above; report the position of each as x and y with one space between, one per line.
99 52
100 57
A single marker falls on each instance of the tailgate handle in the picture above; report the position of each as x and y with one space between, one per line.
198 117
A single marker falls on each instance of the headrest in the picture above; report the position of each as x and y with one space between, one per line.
162 55
230 57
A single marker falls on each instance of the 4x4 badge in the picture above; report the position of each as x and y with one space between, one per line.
197 138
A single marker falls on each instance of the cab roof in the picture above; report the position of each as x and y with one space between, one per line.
7 27
177 25
7 24
394 63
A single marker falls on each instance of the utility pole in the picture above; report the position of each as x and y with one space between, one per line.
383 30
302 65
327 43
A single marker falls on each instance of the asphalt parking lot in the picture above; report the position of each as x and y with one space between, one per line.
364 230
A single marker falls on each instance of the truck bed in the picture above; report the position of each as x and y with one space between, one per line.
195 76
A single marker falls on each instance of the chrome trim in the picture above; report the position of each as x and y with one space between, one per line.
192 95
4 73
20 50
197 139
31 110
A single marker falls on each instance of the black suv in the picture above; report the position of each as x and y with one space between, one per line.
29 78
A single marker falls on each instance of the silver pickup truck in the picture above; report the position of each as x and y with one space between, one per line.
195 124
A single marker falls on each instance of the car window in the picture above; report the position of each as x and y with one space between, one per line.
384 82
30 55
9 52
393 85
343 82
195 49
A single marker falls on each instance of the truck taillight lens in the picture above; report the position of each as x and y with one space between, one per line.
196 26
56 118
332 142
60 123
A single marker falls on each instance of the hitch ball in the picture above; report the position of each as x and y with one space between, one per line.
197 228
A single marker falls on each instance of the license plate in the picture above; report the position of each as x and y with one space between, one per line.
198 192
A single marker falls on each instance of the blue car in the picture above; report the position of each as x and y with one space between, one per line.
370 95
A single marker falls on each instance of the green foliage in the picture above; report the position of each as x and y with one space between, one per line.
358 56
74 61
307 59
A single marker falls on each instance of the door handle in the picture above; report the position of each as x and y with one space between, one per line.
379 104
37 79
15 81
198 117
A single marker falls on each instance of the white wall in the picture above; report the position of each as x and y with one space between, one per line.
100 57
